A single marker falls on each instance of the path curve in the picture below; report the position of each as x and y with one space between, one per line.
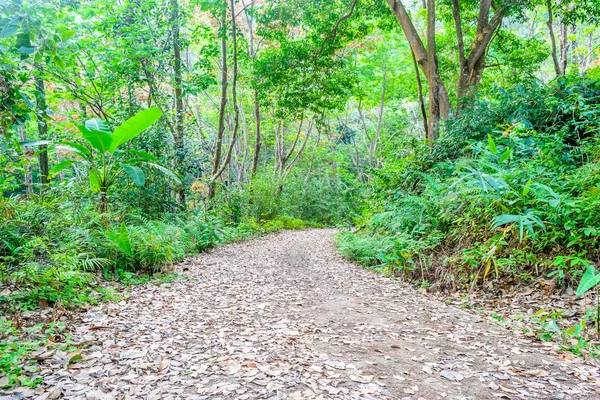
284 317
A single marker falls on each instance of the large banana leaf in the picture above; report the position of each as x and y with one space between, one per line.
165 171
134 126
61 166
99 140
95 180
72 146
135 173
97 125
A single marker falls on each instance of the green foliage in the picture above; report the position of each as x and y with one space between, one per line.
521 199
15 347
589 280
108 161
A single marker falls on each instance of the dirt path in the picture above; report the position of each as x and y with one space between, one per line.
284 317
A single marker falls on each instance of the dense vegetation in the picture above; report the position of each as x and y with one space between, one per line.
134 134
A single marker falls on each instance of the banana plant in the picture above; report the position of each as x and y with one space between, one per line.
104 158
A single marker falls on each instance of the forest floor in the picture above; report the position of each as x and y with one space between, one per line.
284 317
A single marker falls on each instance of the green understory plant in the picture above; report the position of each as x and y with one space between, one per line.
105 159
591 280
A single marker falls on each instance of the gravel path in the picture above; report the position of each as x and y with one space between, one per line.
284 317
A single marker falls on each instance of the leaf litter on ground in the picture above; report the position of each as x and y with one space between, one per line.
284 317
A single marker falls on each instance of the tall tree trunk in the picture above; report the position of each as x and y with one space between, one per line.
421 99
428 66
375 141
533 24
252 54
257 142
179 131
433 127
590 52
216 162
564 47
42 124
557 67
236 121
463 73
473 65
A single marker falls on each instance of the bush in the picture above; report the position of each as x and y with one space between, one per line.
519 196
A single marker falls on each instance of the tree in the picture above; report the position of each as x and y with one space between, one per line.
471 65
178 94
218 165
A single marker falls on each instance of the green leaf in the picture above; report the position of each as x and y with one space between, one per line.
165 171
67 34
58 62
142 155
504 156
97 124
135 173
74 359
61 166
99 140
124 241
95 180
492 145
26 50
76 146
134 126
526 188
35 143
588 281
524 221
8 30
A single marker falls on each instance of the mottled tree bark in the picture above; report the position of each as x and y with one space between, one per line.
42 124
550 23
178 94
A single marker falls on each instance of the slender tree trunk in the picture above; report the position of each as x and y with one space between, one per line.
564 47
42 124
463 73
312 160
590 53
533 24
179 131
421 99
410 32
216 163
427 64
472 67
550 23
285 171
433 131
375 141
236 109
257 142
368 139
252 54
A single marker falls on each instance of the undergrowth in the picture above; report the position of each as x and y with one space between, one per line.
510 195
59 258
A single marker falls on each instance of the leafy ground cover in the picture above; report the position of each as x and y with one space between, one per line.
257 318
73 265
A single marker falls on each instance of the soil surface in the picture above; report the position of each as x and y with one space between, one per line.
284 317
